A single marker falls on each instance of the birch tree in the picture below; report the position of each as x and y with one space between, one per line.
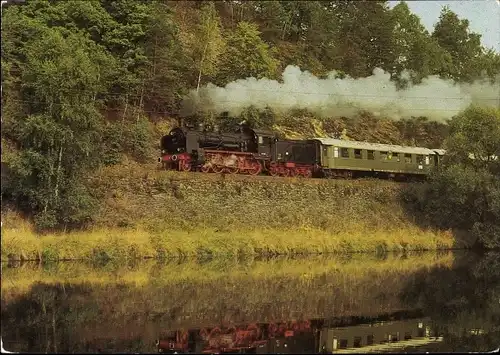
209 42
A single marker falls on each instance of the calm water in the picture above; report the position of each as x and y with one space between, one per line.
427 302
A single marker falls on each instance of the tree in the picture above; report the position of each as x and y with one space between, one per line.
209 43
475 131
365 47
170 64
464 194
453 35
246 56
58 140
416 51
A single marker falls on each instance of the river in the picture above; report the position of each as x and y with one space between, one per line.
419 302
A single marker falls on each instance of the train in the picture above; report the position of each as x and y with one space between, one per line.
245 150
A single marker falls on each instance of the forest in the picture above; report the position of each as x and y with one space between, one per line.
89 83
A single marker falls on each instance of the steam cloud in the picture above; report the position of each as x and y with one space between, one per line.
434 98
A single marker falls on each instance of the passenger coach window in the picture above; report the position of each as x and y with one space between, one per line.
357 154
383 155
344 152
408 158
396 156
371 156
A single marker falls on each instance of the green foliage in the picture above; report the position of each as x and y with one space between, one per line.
453 35
417 52
465 193
246 55
209 43
476 131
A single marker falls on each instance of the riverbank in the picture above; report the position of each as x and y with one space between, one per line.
147 213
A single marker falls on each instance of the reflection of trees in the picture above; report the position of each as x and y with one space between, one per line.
117 316
462 301
47 317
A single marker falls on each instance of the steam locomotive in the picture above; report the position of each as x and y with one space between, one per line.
241 150
250 151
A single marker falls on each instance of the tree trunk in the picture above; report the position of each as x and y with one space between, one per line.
58 172
125 110
140 101
201 66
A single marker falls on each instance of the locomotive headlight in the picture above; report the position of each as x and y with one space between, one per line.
163 151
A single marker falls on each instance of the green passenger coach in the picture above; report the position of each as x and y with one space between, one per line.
342 158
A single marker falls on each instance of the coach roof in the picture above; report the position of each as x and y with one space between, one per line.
375 146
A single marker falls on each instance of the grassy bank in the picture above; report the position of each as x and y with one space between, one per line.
148 213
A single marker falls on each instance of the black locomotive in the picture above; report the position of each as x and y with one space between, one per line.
241 150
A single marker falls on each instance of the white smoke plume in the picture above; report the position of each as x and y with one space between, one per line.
434 98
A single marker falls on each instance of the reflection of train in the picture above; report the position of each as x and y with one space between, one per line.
376 336
253 338
249 151
299 337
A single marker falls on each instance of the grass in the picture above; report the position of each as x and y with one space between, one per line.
146 213
126 244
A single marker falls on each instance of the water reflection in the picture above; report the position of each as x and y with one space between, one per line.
310 336
314 305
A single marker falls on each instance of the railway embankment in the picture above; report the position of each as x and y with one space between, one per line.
146 213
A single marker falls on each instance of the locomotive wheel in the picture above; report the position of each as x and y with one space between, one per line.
206 168
204 333
218 169
307 173
285 172
255 168
274 171
215 332
293 172
184 337
184 166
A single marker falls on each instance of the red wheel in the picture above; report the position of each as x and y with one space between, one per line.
293 172
255 168
284 172
232 170
272 329
307 173
203 333
218 169
274 170
206 168
255 329
215 331
184 165
184 337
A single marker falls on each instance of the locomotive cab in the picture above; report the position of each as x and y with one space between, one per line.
264 141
